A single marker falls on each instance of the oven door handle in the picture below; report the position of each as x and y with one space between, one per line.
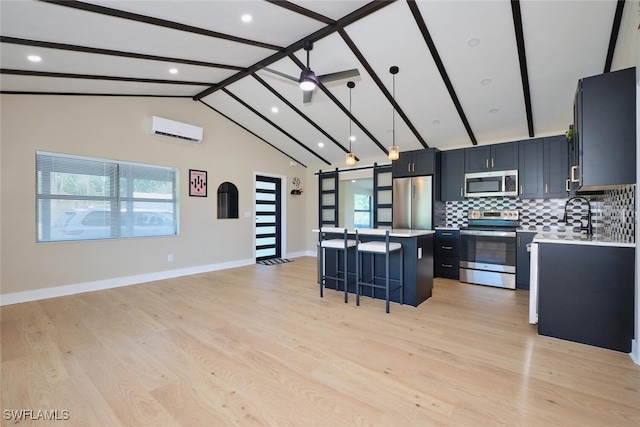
488 233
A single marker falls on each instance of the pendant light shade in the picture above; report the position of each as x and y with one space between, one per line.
394 150
351 158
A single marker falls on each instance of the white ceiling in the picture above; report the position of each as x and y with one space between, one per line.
127 48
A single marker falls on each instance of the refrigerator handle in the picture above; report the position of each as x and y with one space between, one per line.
413 191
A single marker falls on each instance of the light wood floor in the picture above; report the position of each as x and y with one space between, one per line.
258 346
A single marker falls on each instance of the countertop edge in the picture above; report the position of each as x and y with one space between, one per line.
571 241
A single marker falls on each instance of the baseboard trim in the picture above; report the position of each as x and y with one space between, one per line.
78 288
635 352
301 254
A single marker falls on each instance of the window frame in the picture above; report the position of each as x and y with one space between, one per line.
368 211
117 202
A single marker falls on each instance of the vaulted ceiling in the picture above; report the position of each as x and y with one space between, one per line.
470 72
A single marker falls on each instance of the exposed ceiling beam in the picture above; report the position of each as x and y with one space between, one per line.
343 108
417 16
354 16
251 132
302 11
90 7
98 51
300 113
615 29
20 92
522 56
266 119
96 77
381 86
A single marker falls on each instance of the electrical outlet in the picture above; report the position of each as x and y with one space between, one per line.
170 258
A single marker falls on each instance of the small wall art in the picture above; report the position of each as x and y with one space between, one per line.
197 183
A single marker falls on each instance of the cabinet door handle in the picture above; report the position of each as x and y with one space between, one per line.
492 162
413 167
546 189
486 162
447 234
446 265
447 247
567 187
519 241
460 191
574 170
521 191
408 167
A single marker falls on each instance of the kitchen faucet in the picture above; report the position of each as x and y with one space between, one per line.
589 227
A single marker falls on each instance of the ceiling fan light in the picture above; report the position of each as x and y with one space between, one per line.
394 152
307 85
351 159
308 80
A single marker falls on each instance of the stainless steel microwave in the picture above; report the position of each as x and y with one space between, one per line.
495 183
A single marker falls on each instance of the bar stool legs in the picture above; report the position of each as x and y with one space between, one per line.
374 248
340 247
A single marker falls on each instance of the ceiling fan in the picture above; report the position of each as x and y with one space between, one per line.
308 80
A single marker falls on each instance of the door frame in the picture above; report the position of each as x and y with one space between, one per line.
283 213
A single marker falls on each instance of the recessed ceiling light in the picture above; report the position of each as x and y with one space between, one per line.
494 110
473 42
246 18
352 138
436 122
320 144
34 58
274 109
173 70
485 82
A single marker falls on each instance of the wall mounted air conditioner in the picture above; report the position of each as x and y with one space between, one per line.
173 129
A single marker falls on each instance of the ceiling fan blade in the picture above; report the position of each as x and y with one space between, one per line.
306 96
338 76
286 76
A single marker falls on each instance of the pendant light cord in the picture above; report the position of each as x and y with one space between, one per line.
350 135
393 114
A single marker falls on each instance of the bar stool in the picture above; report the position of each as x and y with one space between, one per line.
374 248
339 246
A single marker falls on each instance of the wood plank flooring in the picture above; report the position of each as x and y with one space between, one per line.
257 346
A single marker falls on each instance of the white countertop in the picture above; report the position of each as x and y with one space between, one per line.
397 232
578 239
447 228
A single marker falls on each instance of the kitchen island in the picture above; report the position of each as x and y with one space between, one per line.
417 259
583 289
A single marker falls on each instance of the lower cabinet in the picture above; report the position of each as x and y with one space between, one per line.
523 262
447 254
586 294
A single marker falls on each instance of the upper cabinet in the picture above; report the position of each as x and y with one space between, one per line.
604 143
415 163
543 171
495 157
555 172
452 175
530 168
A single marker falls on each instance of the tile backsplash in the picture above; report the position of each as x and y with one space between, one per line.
612 214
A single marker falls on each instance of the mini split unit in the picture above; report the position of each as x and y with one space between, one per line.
173 129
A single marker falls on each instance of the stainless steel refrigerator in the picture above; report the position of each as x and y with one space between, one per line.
413 203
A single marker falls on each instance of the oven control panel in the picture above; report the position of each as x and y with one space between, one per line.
493 214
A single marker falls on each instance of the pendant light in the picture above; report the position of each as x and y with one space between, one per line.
351 158
394 150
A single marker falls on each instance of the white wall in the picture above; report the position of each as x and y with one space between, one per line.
117 128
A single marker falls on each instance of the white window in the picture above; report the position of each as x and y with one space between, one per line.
81 198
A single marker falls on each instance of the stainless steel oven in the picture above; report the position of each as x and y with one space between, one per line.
488 248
